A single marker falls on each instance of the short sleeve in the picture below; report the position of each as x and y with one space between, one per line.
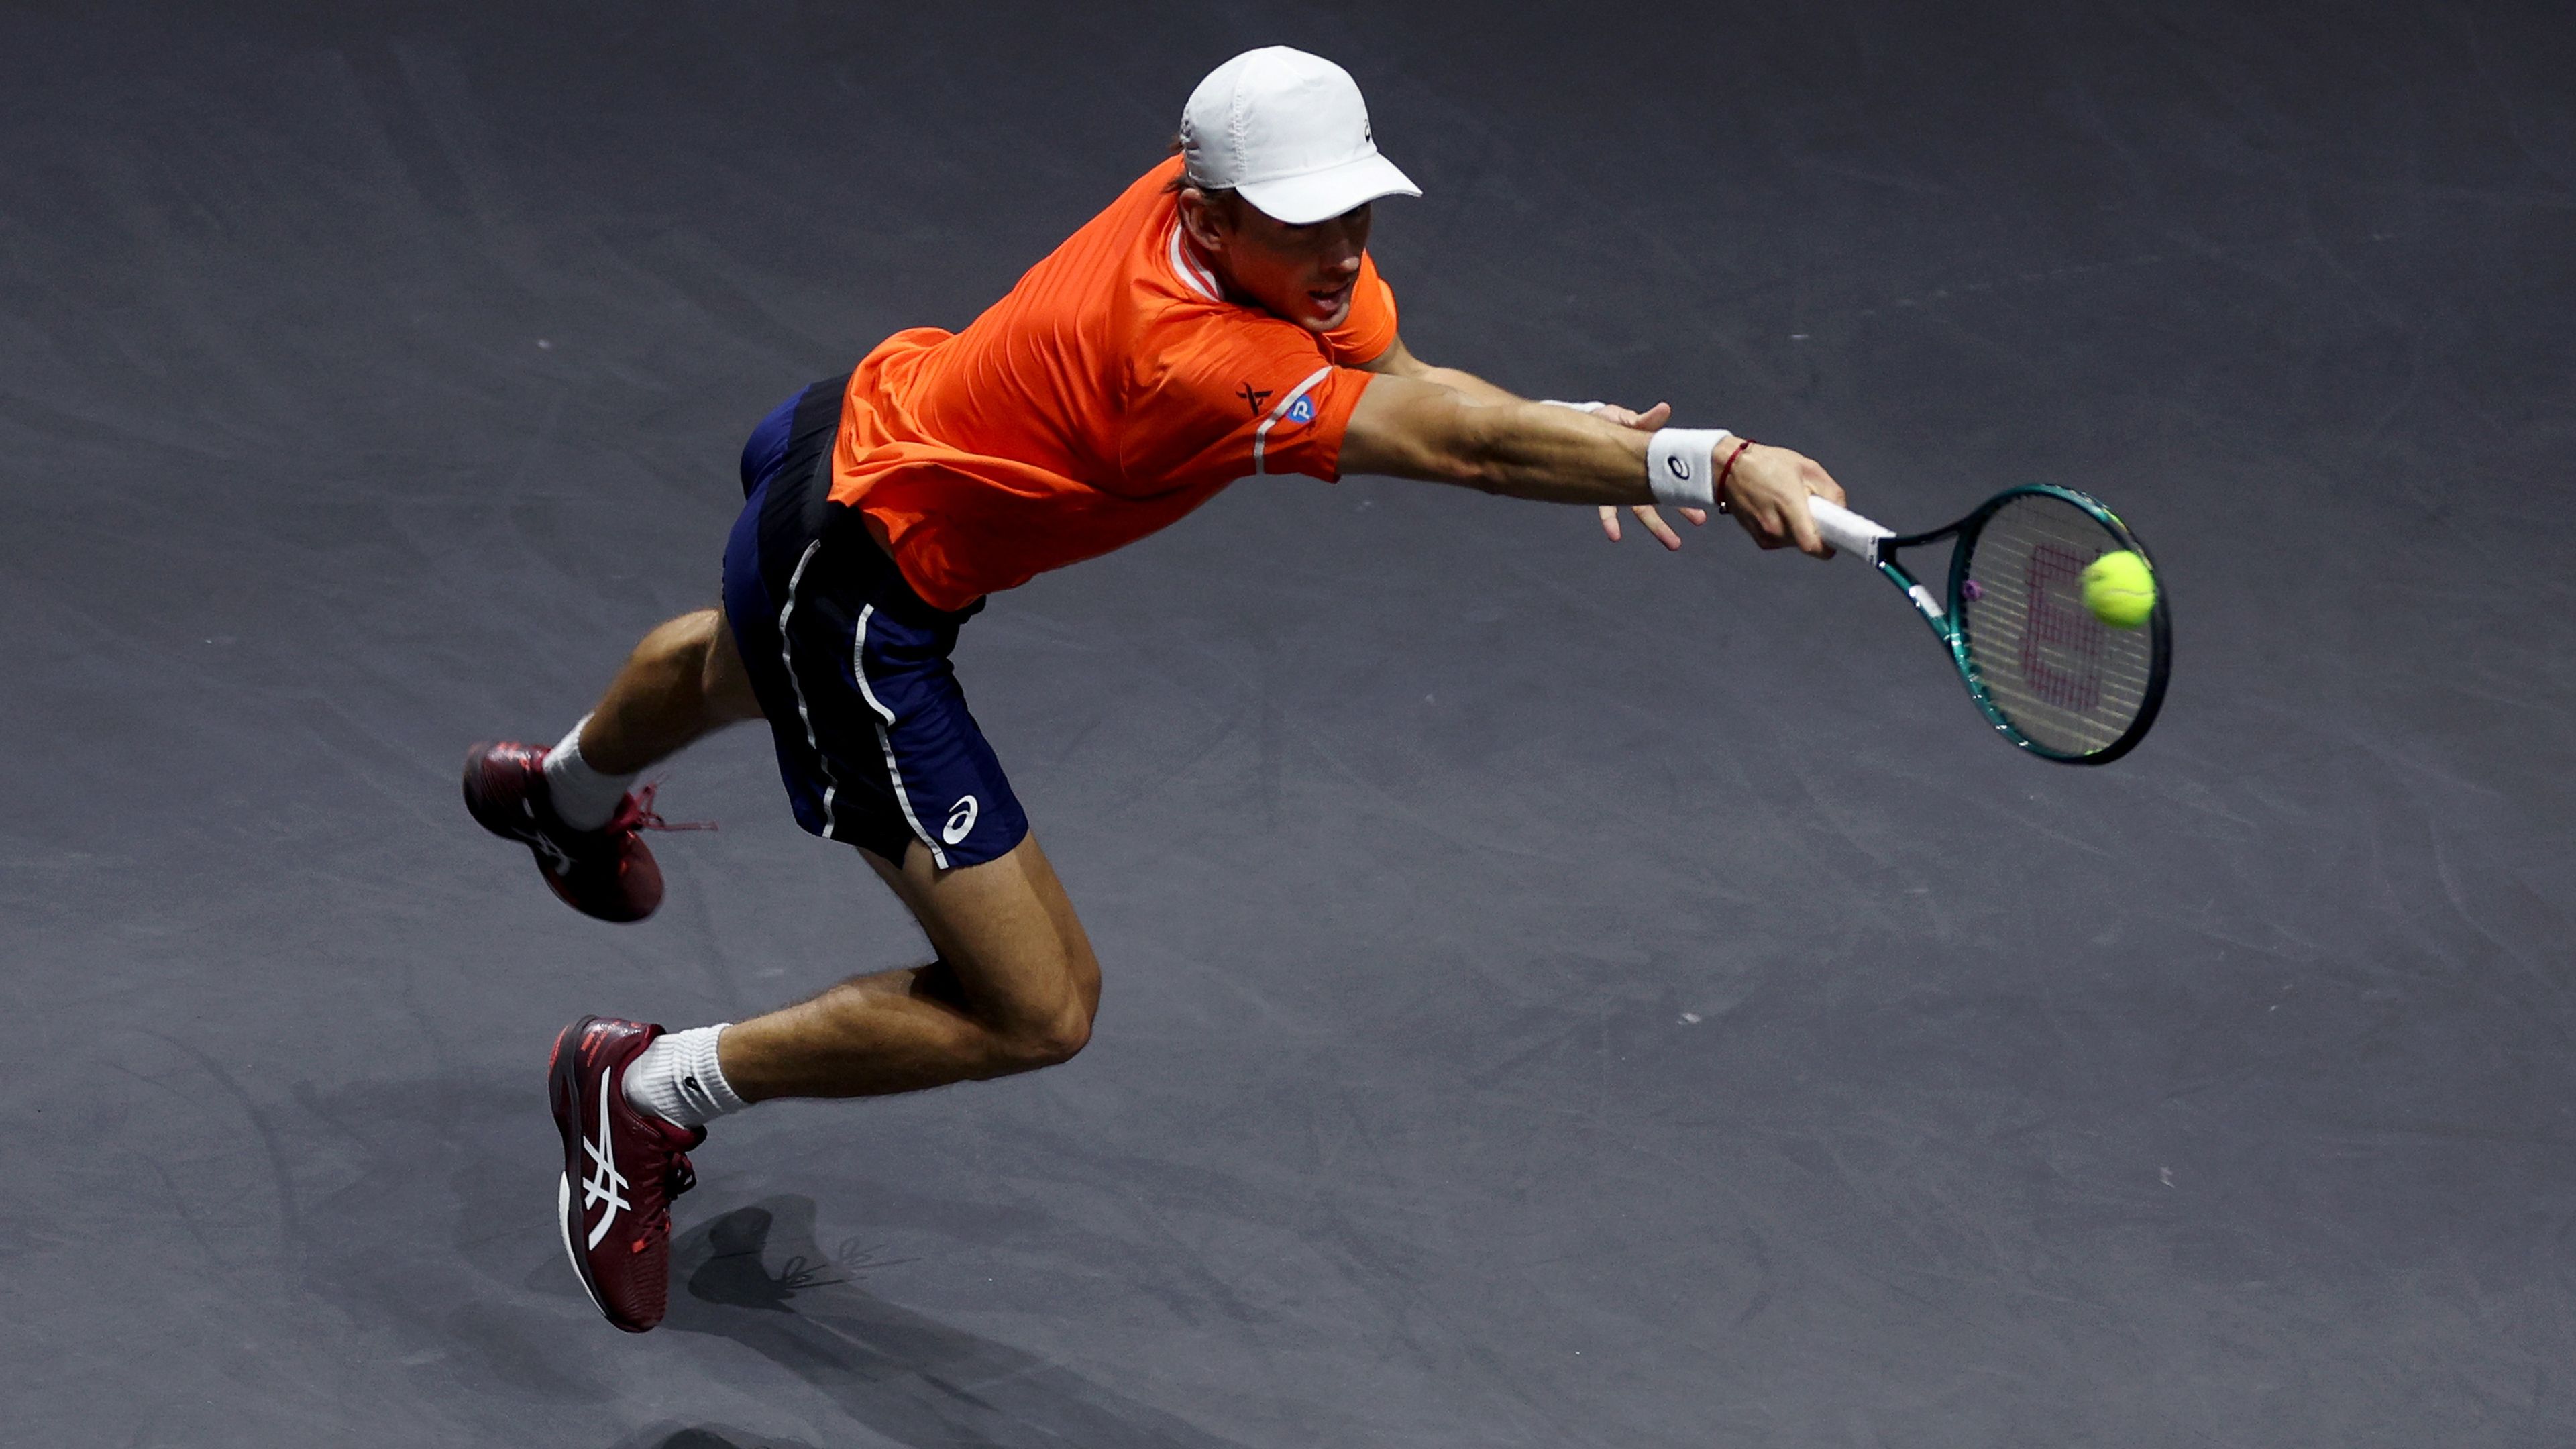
1224 397
1370 329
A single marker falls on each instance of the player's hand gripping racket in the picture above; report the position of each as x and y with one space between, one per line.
2051 676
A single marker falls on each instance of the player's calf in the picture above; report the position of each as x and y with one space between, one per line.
682 681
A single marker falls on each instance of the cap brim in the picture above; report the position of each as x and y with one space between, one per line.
1320 195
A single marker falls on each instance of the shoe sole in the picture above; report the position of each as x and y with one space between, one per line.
563 1092
570 1220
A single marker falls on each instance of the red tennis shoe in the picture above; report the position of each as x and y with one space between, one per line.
622 1167
608 873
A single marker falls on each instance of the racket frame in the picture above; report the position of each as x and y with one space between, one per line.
1942 612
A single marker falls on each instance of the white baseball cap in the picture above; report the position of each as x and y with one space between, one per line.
1289 133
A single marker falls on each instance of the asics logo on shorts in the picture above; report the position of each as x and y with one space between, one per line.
961 819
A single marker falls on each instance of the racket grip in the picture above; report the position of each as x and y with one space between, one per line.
1846 530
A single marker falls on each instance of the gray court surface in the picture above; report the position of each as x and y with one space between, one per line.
1557 994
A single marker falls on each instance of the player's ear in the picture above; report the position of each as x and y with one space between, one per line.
1200 217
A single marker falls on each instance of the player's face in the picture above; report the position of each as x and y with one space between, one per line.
1302 273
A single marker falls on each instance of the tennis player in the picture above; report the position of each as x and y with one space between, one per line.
1220 320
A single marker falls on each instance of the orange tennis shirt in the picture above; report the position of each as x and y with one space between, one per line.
1114 390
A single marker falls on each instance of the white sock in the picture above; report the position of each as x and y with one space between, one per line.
583 797
677 1078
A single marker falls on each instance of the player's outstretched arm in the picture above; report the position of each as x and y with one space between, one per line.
1398 361
1412 428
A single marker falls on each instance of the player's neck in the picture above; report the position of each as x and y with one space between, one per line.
1211 268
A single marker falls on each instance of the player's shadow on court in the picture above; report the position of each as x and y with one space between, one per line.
703 1436
756 1276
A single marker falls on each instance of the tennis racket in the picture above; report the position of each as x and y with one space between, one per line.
2049 676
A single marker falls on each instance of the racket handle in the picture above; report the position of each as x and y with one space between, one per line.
1846 530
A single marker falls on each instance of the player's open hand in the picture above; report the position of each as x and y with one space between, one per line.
1646 422
1767 492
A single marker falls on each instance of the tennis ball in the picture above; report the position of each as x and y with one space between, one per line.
2119 589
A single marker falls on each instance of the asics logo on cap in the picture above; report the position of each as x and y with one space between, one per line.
961 819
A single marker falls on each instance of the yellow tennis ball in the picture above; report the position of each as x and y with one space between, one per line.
2119 589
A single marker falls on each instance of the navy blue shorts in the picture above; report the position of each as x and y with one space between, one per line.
874 740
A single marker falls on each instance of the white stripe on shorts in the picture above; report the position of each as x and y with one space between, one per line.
885 741
787 657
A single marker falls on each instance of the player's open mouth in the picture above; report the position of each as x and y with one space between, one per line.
1329 300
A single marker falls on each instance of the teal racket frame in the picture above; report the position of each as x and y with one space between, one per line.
1943 611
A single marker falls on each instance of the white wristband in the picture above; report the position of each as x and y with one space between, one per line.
1581 407
1681 466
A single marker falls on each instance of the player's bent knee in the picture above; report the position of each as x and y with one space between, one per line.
1060 1040
1052 1042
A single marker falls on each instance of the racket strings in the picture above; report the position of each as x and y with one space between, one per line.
2062 678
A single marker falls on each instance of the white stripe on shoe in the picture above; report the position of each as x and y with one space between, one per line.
568 1218
604 1180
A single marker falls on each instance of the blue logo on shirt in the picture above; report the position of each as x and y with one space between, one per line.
1302 410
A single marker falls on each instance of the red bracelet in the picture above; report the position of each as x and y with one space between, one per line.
1718 490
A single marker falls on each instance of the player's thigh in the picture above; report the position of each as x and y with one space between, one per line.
1008 930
